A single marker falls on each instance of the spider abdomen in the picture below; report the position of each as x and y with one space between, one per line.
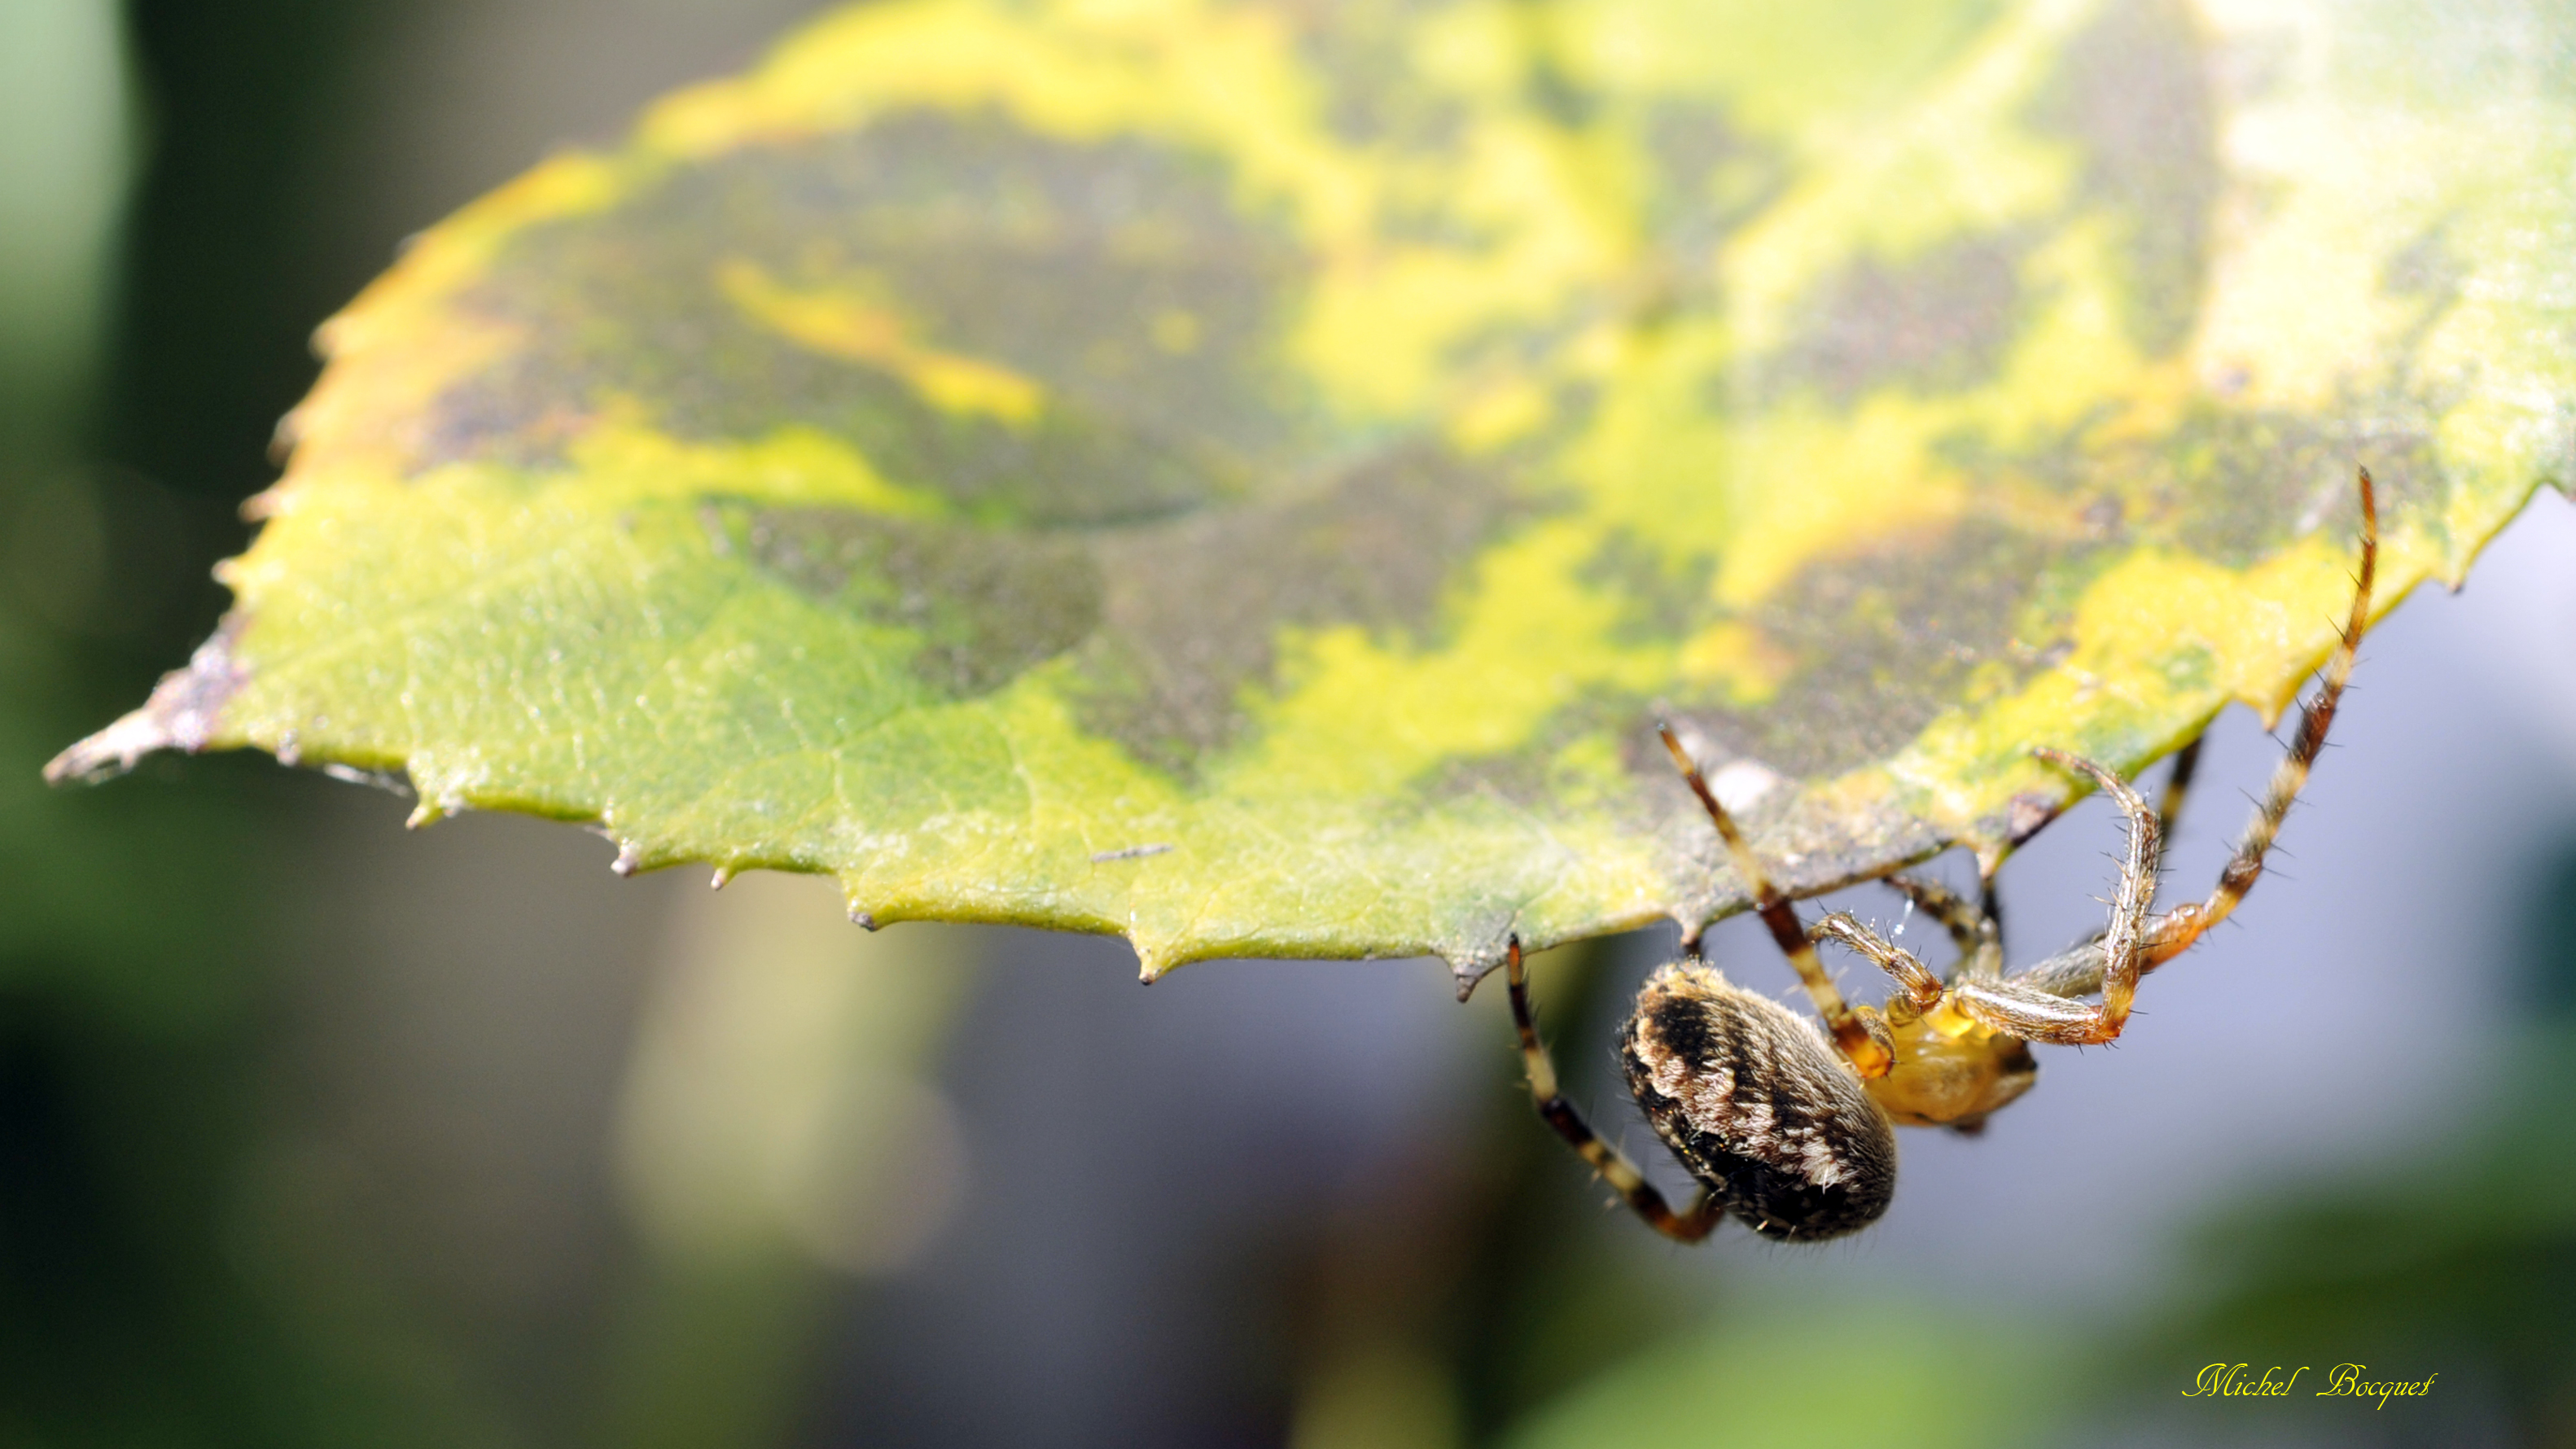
1752 1099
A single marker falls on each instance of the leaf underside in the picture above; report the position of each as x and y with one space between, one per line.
1248 477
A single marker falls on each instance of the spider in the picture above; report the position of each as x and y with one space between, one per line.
1791 1129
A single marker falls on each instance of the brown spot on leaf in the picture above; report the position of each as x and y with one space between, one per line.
1195 606
1709 177
2134 89
2234 485
1938 322
1044 258
2241 485
1359 56
986 604
1885 641
1659 598
1173 620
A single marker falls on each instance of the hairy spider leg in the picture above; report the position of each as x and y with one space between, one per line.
1867 1050
1922 989
1974 930
2186 763
1976 927
1990 904
2092 965
1687 1226
2179 928
2035 1013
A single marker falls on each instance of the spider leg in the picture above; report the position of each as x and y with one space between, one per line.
2186 763
1687 1226
1922 989
2019 1007
2179 928
2077 970
2036 1004
1868 1051
1974 927
1945 906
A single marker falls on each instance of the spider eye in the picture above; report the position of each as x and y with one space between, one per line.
1752 1099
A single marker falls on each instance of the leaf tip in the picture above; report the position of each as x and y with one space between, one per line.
1154 959
181 715
1471 968
435 808
629 859
110 752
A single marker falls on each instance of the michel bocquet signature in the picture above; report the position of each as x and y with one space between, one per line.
2343 1381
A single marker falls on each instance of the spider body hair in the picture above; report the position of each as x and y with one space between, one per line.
1753 1100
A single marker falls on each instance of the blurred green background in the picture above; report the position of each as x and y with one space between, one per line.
316 1132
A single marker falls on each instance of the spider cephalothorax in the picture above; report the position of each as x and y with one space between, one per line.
1789 1127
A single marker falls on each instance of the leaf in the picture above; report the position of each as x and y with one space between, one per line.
1248 477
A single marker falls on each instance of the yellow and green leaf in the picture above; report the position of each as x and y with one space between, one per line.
1249 476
